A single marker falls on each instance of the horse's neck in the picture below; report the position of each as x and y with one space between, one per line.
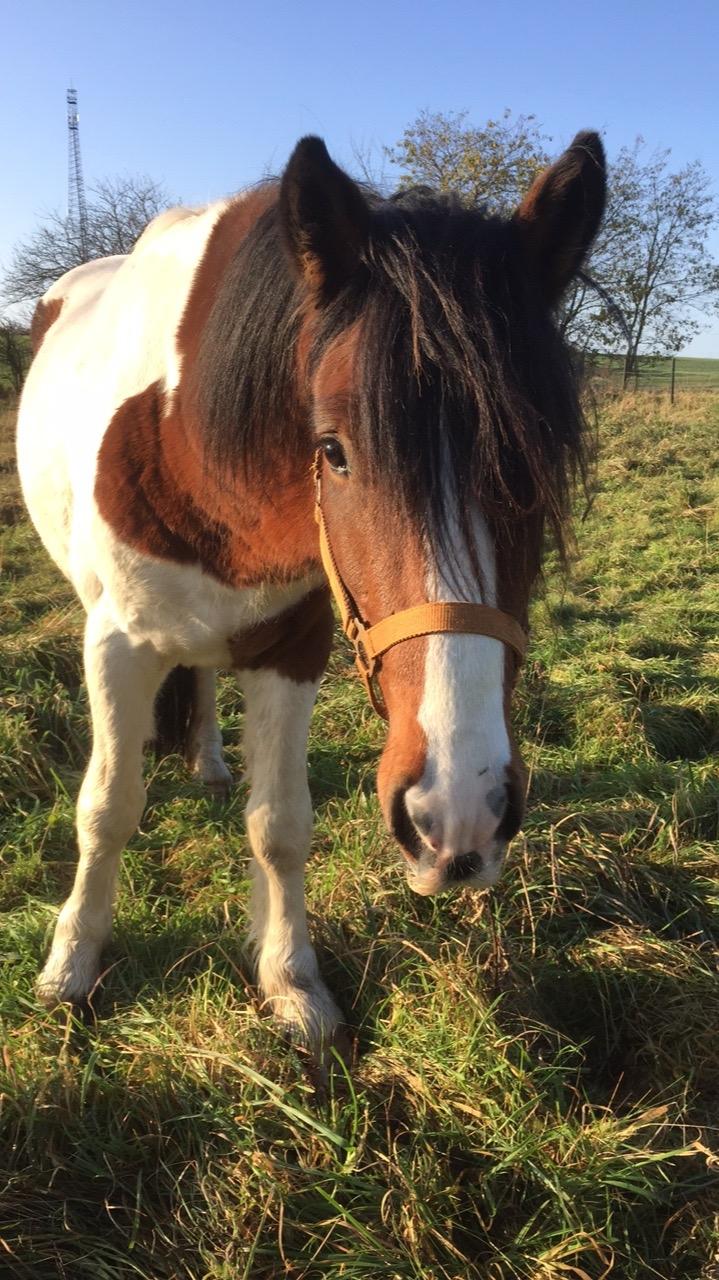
155 489
271 531
267 522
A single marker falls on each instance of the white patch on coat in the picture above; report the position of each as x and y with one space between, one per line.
457 799
68 401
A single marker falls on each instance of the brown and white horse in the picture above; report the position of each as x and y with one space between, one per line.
182 405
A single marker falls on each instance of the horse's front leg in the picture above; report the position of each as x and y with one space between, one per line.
122 680
279 826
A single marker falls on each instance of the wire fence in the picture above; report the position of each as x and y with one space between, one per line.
664 375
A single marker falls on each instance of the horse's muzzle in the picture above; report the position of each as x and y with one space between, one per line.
430 874
432 866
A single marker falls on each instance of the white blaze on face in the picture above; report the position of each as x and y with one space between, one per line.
460 798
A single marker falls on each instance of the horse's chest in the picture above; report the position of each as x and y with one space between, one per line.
185 613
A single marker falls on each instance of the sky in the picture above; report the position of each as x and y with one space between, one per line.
209 96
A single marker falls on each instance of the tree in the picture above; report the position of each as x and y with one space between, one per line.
493 165
14 352
653 276
650 258
118 211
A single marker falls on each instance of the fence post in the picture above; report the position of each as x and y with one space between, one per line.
674 368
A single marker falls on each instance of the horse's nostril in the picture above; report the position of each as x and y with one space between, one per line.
423 823
497 801
464 866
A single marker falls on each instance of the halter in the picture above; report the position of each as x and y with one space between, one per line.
370 642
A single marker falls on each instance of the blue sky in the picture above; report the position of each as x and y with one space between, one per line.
208 96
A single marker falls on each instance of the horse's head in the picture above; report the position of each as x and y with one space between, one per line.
448 429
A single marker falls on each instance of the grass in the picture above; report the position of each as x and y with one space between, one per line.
536 1087
692 373
702 368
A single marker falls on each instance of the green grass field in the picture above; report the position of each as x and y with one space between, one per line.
692 373
699 368
536 1087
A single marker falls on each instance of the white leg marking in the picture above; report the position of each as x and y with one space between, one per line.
204 751
122 681
279 826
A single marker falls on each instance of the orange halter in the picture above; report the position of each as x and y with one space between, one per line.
370 642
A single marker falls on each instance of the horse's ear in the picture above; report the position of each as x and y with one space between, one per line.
324 216
560 215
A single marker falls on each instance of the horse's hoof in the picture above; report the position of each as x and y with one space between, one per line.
69 979
309 1020
214 775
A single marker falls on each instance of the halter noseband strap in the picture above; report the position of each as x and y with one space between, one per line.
370 642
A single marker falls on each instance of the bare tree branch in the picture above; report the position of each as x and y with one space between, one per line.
118 211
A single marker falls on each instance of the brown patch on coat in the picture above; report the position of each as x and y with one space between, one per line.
405 753
382 562
296 644
152 488
44 316
135 493
234 223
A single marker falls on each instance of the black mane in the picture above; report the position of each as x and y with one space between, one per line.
246 378
464 383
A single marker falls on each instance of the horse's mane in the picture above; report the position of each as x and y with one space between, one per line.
464 383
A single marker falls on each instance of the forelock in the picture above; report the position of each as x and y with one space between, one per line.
462 383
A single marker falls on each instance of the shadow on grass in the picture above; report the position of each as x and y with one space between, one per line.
565 613
628 800
660 647
676 732
640 1029
174 1170
643 1032
341 771
551 706
158 1167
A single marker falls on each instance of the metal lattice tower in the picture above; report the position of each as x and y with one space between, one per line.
76 205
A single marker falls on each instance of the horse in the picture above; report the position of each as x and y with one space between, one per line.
301 390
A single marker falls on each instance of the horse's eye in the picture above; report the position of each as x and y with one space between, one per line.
335 454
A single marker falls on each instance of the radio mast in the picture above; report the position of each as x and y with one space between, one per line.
76 205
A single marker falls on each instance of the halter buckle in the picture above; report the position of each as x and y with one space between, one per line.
356 633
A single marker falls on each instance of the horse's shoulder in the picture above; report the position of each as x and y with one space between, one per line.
73 288
163 221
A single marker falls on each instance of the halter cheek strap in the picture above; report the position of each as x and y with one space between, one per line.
370 642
